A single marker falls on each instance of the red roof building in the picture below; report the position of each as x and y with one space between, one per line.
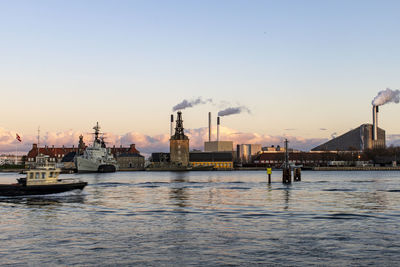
124 150
56 154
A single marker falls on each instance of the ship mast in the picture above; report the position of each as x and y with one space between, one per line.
286 163
96 131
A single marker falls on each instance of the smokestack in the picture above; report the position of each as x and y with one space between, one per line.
218 122
172 124
375 110
209 126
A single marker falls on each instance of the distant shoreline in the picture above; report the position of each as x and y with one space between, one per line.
12 170
356 169
252 169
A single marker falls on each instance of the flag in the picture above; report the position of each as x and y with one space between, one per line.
18 138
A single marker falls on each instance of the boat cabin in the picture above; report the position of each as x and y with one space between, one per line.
40 176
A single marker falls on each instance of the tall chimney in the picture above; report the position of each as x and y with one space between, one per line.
218 122
209 126
375 111
172 125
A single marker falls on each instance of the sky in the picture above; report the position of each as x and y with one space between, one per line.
304 69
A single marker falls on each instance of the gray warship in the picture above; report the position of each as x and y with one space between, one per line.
96 158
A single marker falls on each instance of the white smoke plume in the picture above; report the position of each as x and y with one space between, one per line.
386 96
191 103
233 110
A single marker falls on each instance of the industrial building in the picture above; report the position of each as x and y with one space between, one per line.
309 159
366 136
359 139
219 160
245 152
218 146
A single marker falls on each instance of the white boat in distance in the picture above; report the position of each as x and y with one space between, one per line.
96 158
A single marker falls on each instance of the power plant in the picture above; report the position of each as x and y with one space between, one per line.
366 136
216 146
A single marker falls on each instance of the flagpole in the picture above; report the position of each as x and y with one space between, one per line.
18 138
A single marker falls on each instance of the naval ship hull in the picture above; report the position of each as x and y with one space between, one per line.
21 190
84 165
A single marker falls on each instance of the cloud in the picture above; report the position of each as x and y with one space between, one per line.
147 144
323 129
9 144
393 140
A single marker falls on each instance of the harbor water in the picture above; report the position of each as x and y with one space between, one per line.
207 219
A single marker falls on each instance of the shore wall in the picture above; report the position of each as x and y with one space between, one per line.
12 170
356 169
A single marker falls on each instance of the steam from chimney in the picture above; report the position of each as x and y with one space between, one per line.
191 103
233 110
386 96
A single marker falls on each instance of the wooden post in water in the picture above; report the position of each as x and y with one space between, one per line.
297 174
287 175
286 171
269 172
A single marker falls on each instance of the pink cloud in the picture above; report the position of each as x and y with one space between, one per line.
393 139
156 143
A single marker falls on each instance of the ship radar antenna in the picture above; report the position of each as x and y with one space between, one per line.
96 131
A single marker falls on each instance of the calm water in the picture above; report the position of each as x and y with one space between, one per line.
207 218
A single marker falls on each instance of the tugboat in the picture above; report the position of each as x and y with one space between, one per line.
96 158
41 181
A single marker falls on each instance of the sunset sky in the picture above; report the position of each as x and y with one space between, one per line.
304 69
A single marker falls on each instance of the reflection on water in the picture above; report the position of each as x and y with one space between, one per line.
74 196
208 218
179 193
286 191
44 200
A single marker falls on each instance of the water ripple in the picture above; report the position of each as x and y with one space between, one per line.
208 219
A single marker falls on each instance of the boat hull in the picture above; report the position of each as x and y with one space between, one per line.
21 190
84 165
